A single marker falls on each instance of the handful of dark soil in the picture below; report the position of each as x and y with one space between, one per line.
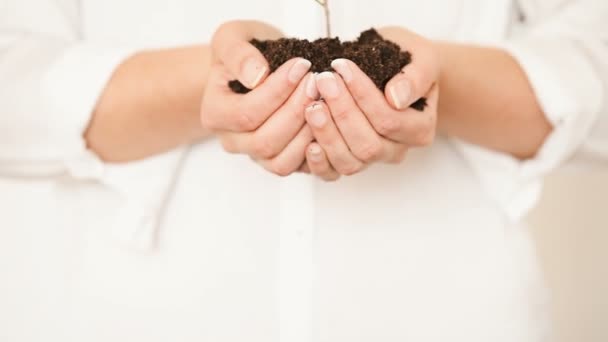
380 59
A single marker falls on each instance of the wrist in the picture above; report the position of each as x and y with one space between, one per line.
445 57
194 71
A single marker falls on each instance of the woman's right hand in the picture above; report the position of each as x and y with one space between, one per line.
267 123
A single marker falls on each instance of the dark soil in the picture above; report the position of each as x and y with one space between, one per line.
380 59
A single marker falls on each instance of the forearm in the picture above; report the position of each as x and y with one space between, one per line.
151 104
486 99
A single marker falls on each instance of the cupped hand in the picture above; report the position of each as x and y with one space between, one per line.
357 124
268 122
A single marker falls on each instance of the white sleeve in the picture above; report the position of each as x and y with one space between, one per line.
564 52
594 150
51 77
593 153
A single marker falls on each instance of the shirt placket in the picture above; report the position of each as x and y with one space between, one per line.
296 260
296 269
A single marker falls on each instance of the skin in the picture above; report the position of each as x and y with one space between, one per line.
505 116
151 105
474 106
267 123
281 124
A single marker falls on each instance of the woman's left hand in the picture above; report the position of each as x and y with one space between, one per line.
357 125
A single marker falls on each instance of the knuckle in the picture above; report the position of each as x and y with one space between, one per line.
360 94
341 114
228 145
351 169
226 27
370 151
262 147
298 113
322 169
330 141
219 37
293 111
388 125
280 169
276 94
219 32
245 123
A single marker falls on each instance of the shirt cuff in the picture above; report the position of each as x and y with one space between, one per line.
71 89
570 95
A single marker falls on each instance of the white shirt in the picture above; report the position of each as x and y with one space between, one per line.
200 245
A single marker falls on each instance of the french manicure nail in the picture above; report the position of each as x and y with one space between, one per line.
342 67
311 87
252 72
316 116
327 85
400 92
298 70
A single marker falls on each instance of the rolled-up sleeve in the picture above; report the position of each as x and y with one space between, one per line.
564 53
48 90
51 78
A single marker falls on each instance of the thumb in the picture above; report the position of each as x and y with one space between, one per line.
413 83
231 47
417 78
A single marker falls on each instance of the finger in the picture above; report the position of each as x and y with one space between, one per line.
292 157
404 126
219 106
274 135
227 111
327 135
280 84
423 125
358 133
411 126
318 164
413 82
416 78
230 46
363 90
304 168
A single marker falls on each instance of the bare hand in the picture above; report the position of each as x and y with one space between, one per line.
267 123
357 125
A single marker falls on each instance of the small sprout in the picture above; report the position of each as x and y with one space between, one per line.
324 4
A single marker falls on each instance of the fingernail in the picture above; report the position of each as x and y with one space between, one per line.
298 70
316 116
400 92
311 87
327 85
341 66
252 72
315 153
